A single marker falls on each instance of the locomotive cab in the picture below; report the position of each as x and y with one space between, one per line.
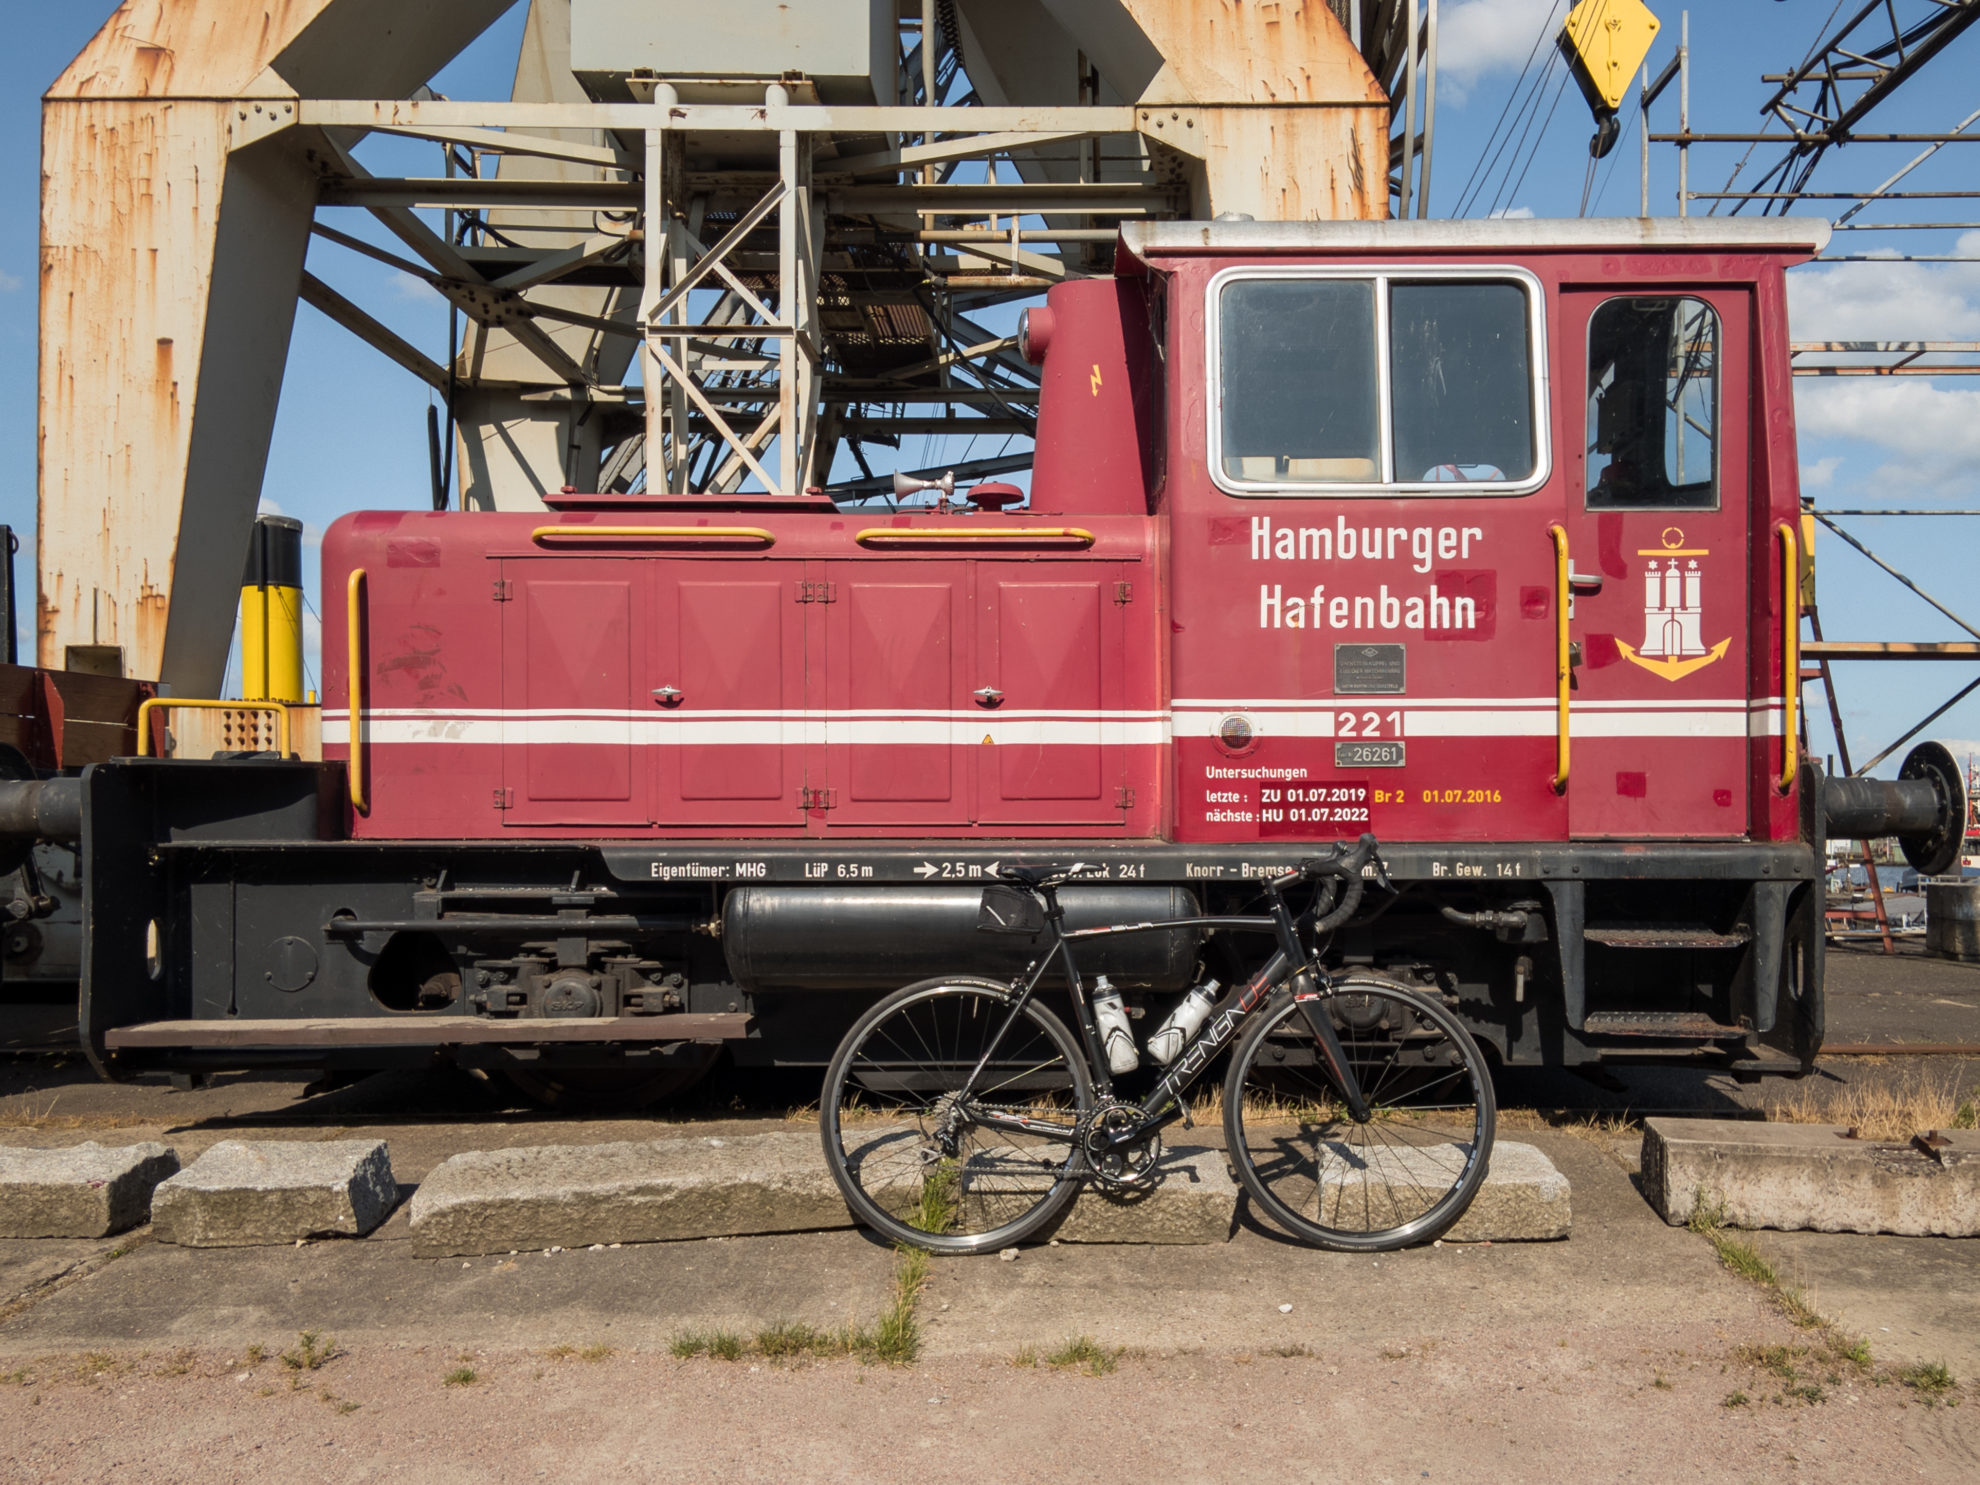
1486 537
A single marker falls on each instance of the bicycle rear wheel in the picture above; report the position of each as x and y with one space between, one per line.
912 1155
1406 1173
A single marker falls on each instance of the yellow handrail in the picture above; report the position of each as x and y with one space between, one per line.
1790 656
654 533
168 703
354 676
983 533
1563 667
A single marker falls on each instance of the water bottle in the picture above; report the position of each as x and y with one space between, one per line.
1115 1035
1174 1033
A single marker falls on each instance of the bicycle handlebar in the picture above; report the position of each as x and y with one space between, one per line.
1343 864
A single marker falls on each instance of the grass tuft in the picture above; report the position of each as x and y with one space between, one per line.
1734 1400
722 1345
1917 1100
893 1339
597 1351
1740 1257
1853 1349
1931 1379
180 1364
1026 1356
936 1210
312 1350
461 1376
794 1341
1083 1353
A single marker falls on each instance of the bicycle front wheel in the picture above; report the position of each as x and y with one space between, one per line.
1406 1173
929 1151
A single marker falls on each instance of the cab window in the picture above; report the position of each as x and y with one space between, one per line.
1653 402
1383 382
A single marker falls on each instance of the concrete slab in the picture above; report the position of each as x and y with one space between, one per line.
1914 1299
378 1292
1810 1176
1192 1200
29 1264
672 1190
1525 1199
1625 1273
81 1191
242 1193
497 1201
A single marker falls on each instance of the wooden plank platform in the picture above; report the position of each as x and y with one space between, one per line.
425 1031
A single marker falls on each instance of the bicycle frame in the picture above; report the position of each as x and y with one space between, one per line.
1164 1103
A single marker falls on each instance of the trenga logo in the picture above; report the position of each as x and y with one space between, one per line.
1218 1032
1673 612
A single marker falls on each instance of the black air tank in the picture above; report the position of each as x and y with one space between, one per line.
879 938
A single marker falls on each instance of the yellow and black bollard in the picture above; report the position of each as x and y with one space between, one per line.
271 612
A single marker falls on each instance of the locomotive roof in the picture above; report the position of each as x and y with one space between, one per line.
1787 235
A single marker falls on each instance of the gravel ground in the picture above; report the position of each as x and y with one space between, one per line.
1528 1407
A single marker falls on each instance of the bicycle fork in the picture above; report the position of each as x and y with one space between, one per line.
1312 1003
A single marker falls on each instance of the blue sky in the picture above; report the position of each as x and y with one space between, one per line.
351 432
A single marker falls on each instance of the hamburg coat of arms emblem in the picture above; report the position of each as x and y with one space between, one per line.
1673 612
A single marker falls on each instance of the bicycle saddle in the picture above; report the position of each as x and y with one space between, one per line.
1038 876
1030 876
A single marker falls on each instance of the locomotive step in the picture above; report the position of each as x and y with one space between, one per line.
1676 1025
1667 936
427 1031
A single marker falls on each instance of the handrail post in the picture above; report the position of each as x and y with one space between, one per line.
354 678
161 704
1790 657
1563 656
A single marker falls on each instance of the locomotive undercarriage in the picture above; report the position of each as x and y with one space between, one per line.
224 930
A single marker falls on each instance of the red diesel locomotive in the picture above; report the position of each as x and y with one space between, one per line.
1482 536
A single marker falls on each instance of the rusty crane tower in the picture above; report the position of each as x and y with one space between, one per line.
698 247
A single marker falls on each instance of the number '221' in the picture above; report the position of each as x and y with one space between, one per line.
1370 724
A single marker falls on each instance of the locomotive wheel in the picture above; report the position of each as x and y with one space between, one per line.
611 1089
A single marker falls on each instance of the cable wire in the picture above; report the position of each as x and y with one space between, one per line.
1511 93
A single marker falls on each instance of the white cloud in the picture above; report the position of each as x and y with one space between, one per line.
1888 301
1476 37
1932 432
9 282
413 290
1930 429
1513 213
1820 474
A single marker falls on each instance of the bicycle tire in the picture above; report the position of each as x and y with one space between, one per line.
1403 1176
881 1117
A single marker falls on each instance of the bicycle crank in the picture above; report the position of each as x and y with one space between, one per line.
1122 1167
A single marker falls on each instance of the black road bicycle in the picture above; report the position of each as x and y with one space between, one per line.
961 1115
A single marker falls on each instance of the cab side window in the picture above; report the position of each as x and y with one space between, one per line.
1300 398
1653 404
1381 383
